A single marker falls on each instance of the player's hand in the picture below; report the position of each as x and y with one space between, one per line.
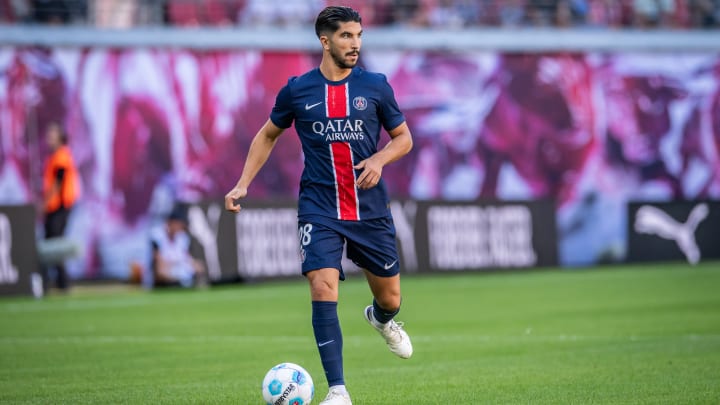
231 198
371 173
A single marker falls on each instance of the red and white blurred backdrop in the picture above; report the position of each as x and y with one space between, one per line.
541 151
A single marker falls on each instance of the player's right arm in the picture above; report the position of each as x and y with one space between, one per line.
258 154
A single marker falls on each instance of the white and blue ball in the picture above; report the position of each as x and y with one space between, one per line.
288 384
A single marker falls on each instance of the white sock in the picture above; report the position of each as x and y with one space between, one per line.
340 388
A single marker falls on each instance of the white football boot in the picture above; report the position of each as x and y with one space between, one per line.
337 397
396 338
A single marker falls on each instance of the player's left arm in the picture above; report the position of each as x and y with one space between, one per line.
400 144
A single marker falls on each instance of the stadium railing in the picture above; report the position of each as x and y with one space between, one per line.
509 40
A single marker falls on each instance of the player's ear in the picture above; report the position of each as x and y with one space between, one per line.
325 42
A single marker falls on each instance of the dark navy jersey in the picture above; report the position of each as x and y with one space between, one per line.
339 125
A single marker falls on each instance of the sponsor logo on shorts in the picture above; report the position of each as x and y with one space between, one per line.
390 266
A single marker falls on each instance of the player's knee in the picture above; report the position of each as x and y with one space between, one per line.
322 290
389 301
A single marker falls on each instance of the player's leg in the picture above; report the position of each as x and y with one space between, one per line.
328 335
321 251
386 296
55 224
372 246
381 314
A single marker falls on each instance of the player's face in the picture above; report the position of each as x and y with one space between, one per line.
344 44
53 137
175 226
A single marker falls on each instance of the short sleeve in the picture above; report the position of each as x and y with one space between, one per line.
282 114
390 115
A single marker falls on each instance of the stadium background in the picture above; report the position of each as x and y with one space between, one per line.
536 125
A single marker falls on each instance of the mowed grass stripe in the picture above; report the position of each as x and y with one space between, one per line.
357 340
615 335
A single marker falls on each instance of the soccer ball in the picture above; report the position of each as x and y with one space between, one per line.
288 384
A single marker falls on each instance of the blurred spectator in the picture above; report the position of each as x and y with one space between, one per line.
575 12
704 13
61 189
511 12
681 16
51 12
13 11
78 11
608 13
194 13
115 13
281 12
450 14
563 15
374 13
171 262
653 13
408 13
541 13
454 13
580 9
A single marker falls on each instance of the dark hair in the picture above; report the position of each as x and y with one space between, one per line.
61 131
330 18
179 213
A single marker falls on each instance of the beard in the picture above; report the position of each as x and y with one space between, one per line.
340 59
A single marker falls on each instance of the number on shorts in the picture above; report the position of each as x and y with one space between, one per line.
304 234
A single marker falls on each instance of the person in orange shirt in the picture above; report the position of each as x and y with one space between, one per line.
61 189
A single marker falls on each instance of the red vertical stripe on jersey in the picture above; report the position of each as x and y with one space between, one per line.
336 101
345 191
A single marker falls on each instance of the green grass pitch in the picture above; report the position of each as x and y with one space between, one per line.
613 335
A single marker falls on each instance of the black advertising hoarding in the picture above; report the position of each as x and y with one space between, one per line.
18 251
267 241
486 235
214 241
673 231
260 242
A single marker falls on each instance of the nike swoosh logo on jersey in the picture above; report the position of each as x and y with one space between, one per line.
325 343
389 266
310 106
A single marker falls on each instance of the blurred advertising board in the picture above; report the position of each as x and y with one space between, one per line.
674 231
258 243
483 235
18 253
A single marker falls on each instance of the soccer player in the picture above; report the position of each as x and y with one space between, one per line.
338 110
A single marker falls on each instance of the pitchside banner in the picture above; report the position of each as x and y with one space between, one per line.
261 242
258 243
18 252
476 236
674 231
267 241
213 231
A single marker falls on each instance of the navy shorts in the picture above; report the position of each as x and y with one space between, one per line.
370 244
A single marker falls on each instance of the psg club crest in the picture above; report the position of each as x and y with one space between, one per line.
360 103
